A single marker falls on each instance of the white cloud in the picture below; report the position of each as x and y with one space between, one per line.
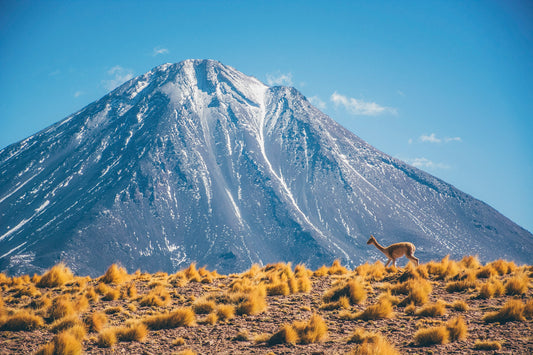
432 138
279 79
78 93
119 76
160 50
360 107
317 102
426 163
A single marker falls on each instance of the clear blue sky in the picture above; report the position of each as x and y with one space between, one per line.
444 85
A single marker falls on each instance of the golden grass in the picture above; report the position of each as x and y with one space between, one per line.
225 312
61 307
65 323
342 303
353 289
115 275
517 285
378 347
382 309
432 336
56 276
460 306
252 303
158 297
457 328
492 288
135 331
312 331
21 321
180 317
96 321
63 343
513 310
417 290
360 335
107 338
436 309
285 335
487 345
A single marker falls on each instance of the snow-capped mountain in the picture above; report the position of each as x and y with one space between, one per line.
196 161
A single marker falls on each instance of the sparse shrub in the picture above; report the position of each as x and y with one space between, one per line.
186 352
321 271
203 306
129 291
313 331
342 302
432 310
528 309
382 309
360 335
21 320
379 346
337 269
461 285
65 323
225 312
192 274
63 343
56 276
456 328
278 289
492 288
252 303
242 335
135 331
503 267
353 289
158 297
180 317
115 274
486 272
460 306
304 283
417 290
40 303
211 318
96 321
517 285
285 335
179 341
107 338
513 310
410 309
470 262
61 307
487 345
431 336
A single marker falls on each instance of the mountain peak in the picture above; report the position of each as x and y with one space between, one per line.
196 161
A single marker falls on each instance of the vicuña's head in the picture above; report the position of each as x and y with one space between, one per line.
371 240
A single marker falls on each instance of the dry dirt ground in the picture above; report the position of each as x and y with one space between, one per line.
515 337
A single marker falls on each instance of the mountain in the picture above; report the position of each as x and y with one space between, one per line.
196 161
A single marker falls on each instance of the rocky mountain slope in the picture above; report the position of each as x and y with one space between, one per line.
196 161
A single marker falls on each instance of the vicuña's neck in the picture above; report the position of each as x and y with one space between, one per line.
379 246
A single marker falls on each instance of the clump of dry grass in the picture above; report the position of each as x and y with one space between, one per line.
251 303
203 306
432 335
378 347
360 335
342 302
61 307
445 269
21 321
503 267
436 309
457 328
513 310
62 343
115 275
57 276
179 341
354 290
517 285
158 297
65 323
180 317
312 331
487 345
382 309
417 290
107 338
134 331
460 306
225 312
337 269
96 321
492 288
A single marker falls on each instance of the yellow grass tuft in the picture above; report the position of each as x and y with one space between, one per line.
503 267
115 275
417 290
487 345
285 335
225 312
517 285
211 318
436 309
21 321
96 321
192 274
513 310
460 306
360 335
180 317
431 336
378 347
353 289
252 303
457 328
313 331
321 271
342 302
492 288
179 341
56 276
382 309
186 352
61 307
107 338
203 306
337 269
65 323
158 297
63 343
135 331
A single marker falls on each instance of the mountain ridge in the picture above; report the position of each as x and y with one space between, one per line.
195 161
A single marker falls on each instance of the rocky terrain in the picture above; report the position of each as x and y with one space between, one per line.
446 307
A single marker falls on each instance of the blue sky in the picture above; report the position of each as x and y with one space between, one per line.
444 85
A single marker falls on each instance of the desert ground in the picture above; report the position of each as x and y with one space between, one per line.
439 307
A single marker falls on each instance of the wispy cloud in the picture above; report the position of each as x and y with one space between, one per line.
78 93
360 107
316 101
432 138
424 163
55 72
119 75
160 50
279 79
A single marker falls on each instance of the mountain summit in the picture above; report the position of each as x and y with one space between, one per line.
196 161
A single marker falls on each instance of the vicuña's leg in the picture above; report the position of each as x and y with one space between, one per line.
413 259
388 262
